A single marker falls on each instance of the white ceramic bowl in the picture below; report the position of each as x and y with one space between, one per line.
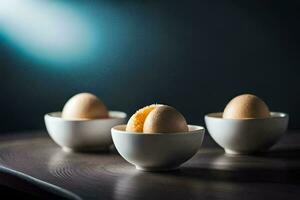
160 151
244 136
83 135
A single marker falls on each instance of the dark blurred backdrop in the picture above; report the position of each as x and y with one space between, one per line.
193 55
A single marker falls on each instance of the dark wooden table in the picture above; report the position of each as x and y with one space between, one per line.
208 175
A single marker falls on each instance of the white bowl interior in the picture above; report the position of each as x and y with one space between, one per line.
111 114
192 128
220 115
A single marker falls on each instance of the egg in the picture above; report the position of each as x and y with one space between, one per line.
157 118
246 106
84 106
165 119
136 121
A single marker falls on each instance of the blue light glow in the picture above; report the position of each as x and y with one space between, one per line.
51 32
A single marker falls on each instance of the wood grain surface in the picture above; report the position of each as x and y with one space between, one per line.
208 175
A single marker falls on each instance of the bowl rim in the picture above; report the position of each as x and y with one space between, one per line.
274 115
197 130
113 114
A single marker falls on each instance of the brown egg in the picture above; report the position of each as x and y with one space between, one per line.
246 106
84 106
165 119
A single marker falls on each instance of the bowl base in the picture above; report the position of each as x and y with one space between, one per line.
156 169
70 150
232 152
67 149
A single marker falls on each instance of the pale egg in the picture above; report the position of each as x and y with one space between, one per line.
84 106
246 106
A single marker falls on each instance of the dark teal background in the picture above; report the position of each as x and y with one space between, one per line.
193 55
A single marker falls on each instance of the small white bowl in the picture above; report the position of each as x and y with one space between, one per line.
244 136
159 151
83 135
